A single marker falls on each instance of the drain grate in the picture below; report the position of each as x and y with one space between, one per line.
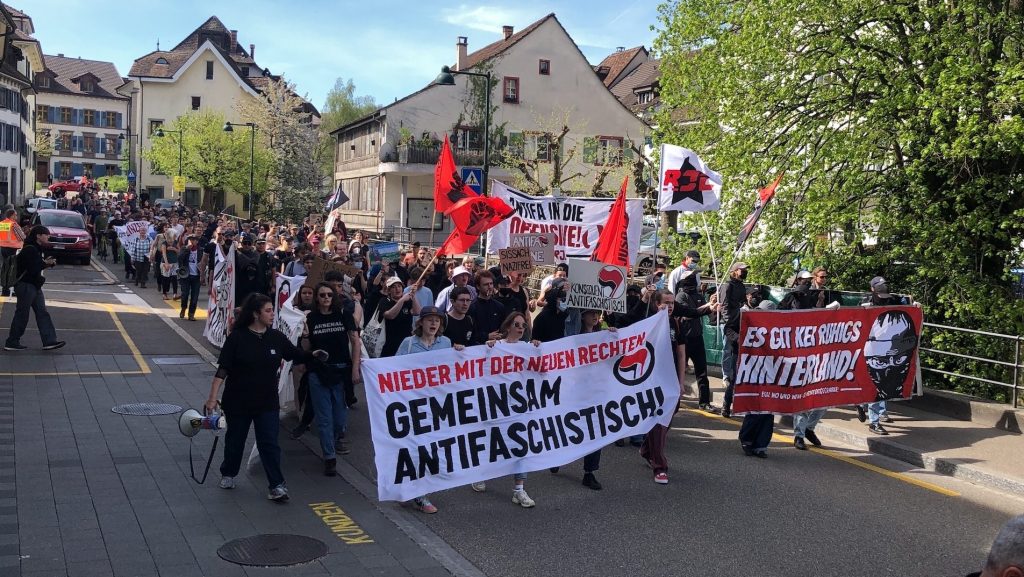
146 409
272 550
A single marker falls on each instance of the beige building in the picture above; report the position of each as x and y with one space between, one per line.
385 161
22 58
208 69
79 109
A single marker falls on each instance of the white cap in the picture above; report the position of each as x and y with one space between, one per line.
460 270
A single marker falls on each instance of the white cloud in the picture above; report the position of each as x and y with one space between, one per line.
486 18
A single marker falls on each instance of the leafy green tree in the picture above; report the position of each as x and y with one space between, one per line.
341 107
899 125
214 159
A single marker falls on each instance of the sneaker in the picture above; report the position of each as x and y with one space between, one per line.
812 437
54 346
708 408
862 415
799 443
589 480
522 499
661 478
181 315
278 494
331 467
479 487
887 419
425 506
191 318
726 412
748 450
15 347
761 454
877 428
227 482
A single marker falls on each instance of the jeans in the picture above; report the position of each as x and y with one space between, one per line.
592 462
266 425
730 354
31 298
696 353
141 271
190 294
875 411
328 401
806 421
756 432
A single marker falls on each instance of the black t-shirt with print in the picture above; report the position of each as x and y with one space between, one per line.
330 333
459 331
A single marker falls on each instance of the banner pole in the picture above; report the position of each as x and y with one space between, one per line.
433 224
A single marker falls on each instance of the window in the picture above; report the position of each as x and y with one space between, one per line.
44 81
111 147
209 69
161 60
65 115
192 197
65 170
468 138
544 67
644 97
111 120
154 125
195 103
88 168
87 85
245 72
90 117
112 169
65 141
90 143
609 151
538 145
42 113
511 90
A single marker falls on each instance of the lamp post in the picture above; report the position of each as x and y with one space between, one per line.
160 134
447 78
229 127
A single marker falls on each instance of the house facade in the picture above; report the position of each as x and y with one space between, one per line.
385 162
80 111
23 57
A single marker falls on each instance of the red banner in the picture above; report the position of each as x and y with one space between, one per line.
793 361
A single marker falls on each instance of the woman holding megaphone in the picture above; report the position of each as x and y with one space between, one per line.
248 367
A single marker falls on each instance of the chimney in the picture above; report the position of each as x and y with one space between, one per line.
61 54
234 41
507 31
620 48
252 51
461 50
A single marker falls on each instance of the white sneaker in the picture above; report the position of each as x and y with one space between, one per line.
479 487
278 493
522 499
227 482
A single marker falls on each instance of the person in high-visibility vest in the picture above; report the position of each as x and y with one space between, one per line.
12 238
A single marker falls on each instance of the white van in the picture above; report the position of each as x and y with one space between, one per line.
37 202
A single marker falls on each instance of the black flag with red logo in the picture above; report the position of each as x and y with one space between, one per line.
763 196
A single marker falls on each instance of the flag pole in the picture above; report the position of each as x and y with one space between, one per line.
657 204
711 247
433 225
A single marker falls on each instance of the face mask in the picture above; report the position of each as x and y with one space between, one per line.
358 265
743 274
563 306
660 284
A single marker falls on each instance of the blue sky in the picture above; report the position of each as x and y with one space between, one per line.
389 49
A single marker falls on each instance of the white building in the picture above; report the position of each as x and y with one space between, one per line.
542 80
22 59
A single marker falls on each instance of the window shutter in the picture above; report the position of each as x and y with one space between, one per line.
76 169
102 145
589 149
117 121
101 118
118 146
627 150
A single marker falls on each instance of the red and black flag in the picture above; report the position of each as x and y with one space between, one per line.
448 185
763 196
613 244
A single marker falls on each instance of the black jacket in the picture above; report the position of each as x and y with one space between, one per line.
688 308
733 297
30 264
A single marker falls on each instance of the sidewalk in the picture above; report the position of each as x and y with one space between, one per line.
973 451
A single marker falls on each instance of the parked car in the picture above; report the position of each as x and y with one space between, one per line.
75 184
68 235
37 202
645 256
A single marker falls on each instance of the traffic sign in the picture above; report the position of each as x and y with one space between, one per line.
474 178
179 183
131 176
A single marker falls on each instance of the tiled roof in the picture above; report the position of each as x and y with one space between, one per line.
495 48
213 29
64 71
643 75
15 12
617 62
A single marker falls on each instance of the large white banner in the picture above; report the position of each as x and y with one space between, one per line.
686 183
128 234
220 309
449 418
576 222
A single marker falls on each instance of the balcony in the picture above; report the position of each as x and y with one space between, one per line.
411 154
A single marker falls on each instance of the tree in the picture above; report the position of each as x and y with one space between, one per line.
341 107
214 159
900 127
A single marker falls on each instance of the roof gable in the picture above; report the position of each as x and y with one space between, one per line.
495 48
617 62
181 66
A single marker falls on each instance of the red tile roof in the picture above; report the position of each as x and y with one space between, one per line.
495 48
64 71
617 62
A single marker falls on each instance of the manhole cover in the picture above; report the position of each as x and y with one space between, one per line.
146 409
193 360
272 550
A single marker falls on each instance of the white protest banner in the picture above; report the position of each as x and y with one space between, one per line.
449 418
686 183
595 285
221 306
576 222
515 260
129 233
285 289
542 246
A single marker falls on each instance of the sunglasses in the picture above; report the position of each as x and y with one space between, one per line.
519 325
325 295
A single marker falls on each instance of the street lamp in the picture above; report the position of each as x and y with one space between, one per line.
229 127
447 78
160 132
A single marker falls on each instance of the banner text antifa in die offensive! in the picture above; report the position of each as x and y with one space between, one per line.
793 361
455 417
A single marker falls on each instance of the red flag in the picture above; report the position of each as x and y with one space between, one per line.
448 185
475 214
613 244
763 196
457 243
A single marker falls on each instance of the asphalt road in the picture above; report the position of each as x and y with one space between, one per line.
793 514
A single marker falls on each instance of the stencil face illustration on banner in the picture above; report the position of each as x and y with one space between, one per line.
575 222
686 183
796 361
449 418
221 307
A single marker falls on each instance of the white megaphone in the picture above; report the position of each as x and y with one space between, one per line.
191 421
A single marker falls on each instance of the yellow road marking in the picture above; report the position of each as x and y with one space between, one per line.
143 366
92 263
845 459
176 307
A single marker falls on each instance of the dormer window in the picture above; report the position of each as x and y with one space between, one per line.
43 80
645 97
161 60
245 72
88 85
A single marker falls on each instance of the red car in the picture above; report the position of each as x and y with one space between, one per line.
74 185
68 235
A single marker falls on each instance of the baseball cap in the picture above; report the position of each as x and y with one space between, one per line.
459 270
431 311
693 255
880 287
738 266
804 274
392 280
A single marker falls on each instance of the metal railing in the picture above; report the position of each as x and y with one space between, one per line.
1015 366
